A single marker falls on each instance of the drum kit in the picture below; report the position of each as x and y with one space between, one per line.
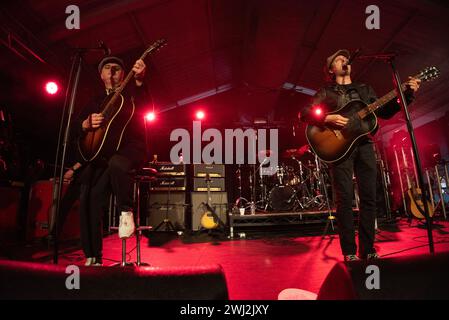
300 182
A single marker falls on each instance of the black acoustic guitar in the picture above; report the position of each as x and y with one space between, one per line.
117 113
333 144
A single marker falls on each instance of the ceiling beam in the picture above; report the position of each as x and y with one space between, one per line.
109 10
299 68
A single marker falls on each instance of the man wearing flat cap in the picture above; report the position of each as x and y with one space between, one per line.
362 161
102 176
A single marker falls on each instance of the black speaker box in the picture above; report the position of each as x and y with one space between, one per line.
215 184
214 170
403 278
31 281
161 207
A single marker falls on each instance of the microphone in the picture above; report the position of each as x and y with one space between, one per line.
352 58
104 47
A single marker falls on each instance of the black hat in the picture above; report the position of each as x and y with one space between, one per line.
109 60
341 52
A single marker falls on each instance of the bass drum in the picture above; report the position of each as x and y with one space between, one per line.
282 198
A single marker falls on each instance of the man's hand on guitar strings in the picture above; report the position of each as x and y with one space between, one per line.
336 120
93 121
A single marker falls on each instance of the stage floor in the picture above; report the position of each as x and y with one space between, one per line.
260 265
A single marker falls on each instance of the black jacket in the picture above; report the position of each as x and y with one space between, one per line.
334 96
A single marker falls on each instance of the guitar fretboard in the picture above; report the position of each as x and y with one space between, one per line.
379 103
108 109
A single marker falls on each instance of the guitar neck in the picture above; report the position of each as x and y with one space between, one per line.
209 200
107 110
379 103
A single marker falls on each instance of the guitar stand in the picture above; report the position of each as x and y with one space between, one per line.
168 225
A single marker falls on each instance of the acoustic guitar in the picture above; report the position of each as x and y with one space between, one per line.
413 196
333 144
117 113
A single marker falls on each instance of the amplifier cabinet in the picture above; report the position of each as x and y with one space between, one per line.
214 170
162 206
169 169
216 184
164 183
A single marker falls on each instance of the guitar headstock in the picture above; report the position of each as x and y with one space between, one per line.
428 74
155 46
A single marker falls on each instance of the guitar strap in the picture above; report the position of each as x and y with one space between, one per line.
342 95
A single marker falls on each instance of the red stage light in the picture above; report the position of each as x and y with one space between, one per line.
150 116
318 111
200 115
51 87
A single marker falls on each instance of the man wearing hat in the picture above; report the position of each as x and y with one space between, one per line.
362 161
102 176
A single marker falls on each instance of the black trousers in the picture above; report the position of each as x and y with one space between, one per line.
99 179
362 162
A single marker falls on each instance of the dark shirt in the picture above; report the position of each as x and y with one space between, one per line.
335 96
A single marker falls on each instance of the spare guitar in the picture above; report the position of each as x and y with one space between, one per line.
335 144
117 112
413 195
209 220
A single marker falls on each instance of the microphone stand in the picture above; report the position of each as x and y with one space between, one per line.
69 103
389 58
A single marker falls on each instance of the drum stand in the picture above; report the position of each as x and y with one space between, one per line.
241 201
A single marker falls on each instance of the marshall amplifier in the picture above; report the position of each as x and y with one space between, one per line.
166 183
216 184
169 169
214 170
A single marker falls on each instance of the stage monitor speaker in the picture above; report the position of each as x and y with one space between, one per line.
174 210
219 202
31 281
402 278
